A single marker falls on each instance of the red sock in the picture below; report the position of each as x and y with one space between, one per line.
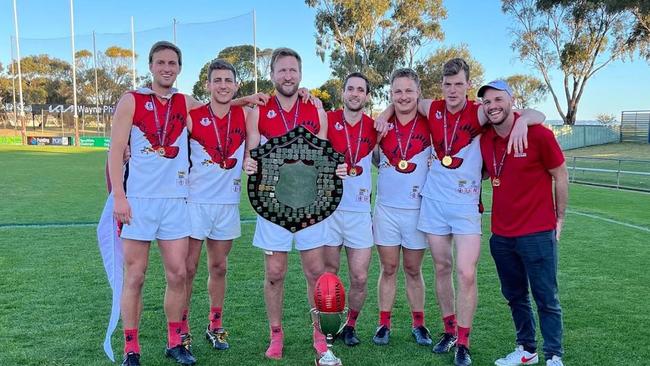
384 318
418 318
463 336
215 318
131 342
450 324
352 317
185 326
174 334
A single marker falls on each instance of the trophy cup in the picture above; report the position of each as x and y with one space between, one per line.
330 314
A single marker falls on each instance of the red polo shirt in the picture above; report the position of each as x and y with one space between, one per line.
523 202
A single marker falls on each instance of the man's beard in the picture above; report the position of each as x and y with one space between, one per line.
353 109
279 87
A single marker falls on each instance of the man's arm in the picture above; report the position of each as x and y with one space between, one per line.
192 103
120 131
424 105
375 156
253 99
253 139
322 120
519 134
561 178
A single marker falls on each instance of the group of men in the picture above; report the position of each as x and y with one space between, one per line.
181 186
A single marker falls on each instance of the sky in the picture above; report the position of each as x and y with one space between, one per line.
478 23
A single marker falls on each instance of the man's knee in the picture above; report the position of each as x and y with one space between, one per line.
134 278
388 269
467 277
443 266
359 279
218 269
191 272
275 273
176 275
413 270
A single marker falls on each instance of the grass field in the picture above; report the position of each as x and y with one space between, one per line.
55 300
625 165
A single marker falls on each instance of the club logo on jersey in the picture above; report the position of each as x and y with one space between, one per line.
205 121
271 114
148 106
338 126
391 126
438 115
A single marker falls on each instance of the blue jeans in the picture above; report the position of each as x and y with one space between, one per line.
531 259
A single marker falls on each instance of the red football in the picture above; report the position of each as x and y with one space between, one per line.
329 293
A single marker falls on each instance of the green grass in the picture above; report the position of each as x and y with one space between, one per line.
626 150
55 300
625 157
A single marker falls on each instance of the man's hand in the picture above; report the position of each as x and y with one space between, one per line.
518 138
127 154
381 122
342 170
122 210
381 125
257 99
250 166
306 96
558 228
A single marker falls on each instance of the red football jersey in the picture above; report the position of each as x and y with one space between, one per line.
271 123
336 135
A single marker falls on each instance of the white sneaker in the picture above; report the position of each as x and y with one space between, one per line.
555 361
521 357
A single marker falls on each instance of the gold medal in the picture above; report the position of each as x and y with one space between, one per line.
161 151
403 164
446 160
496 182
353 172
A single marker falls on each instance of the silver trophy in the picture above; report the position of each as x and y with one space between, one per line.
329 324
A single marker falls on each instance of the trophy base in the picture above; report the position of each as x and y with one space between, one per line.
328 359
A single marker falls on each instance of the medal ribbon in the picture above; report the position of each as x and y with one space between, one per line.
453 133
353 159
284 119
161 134
408 140
223 151
497 170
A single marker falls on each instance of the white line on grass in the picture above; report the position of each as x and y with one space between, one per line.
252 221
610 220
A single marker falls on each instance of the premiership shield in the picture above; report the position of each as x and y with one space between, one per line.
295 185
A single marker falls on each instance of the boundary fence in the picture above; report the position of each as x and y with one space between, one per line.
614 173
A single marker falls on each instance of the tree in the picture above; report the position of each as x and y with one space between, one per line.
430 71
45 79
333 88
528 90
640 36
606 118
579 38
241 58
374 36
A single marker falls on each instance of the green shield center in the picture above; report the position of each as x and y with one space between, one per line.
296 186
